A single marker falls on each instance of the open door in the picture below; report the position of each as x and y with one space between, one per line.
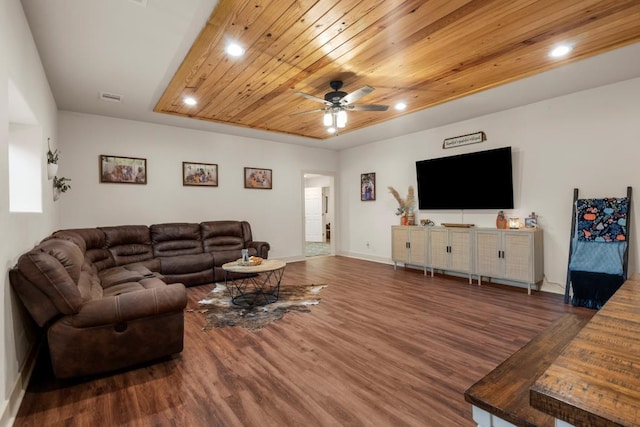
313 220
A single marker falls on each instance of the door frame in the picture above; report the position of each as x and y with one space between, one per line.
332 208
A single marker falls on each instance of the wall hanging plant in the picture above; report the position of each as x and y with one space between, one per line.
52 160
60 185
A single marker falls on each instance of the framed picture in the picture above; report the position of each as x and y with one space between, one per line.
123 170
258 178
368 186
200 174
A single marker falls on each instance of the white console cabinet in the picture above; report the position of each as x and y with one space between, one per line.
451 249
408 246
510 255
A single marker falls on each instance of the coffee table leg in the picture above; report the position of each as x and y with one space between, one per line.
254 289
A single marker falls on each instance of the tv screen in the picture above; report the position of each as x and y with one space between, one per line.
480 180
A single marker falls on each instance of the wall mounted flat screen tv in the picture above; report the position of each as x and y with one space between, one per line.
480 180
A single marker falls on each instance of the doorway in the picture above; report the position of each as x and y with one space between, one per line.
318 209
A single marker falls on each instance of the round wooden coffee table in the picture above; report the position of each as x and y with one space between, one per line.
251 285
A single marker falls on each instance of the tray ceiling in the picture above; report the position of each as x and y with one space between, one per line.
423 53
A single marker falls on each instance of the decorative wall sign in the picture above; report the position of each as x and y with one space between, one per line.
457 141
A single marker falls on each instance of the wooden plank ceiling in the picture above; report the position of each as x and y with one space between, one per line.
422 52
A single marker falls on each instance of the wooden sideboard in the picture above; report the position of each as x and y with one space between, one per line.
508 255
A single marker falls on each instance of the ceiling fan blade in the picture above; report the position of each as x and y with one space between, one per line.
313 98
306 112
355 95
367 107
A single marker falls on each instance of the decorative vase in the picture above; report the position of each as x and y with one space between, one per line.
56 194
52 170
403 220
411 218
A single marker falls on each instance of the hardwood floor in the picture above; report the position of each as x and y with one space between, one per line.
384 347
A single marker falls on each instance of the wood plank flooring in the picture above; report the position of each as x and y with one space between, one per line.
384 347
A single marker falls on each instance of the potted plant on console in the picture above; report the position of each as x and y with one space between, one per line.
405 206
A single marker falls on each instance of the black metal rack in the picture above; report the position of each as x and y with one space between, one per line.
625 265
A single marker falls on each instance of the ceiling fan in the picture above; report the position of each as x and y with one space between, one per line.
338 102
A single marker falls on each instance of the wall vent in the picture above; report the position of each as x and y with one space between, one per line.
112 97
142 3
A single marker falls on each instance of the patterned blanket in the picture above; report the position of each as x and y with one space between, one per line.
602 220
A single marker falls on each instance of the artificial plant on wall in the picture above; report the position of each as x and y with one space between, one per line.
60 185
52 160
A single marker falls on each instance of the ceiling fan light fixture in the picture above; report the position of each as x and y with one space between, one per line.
341 118
331 129
327 119
400 106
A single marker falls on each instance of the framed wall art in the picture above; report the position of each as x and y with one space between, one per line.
200 174
258 178
123 170
368 186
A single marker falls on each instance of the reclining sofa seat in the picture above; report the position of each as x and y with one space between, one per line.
82 285
93 325
226 239
178 247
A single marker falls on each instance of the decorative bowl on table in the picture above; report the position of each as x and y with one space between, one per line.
253 260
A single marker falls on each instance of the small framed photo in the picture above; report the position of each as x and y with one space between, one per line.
123 170
200 174
258 178
530 222
368 186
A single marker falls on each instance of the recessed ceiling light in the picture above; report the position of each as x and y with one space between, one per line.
234 49
400 106
189 101
560 51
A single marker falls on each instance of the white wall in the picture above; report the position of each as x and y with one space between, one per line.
20 63
274 214
587 140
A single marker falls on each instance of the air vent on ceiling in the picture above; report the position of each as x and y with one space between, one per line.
142 3
113 97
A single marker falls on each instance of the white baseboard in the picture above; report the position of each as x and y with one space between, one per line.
11 406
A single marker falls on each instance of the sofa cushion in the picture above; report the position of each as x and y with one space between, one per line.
178 238
222 235
93 240
89 284
128 243
116 275
54 267
182 264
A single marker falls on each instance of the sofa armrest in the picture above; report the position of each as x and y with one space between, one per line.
262 248
131 306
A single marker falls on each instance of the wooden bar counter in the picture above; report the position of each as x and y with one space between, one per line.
595 381
503 395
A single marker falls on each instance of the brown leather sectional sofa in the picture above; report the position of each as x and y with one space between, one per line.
113 297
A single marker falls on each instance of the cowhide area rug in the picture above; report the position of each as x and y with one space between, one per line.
220 312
